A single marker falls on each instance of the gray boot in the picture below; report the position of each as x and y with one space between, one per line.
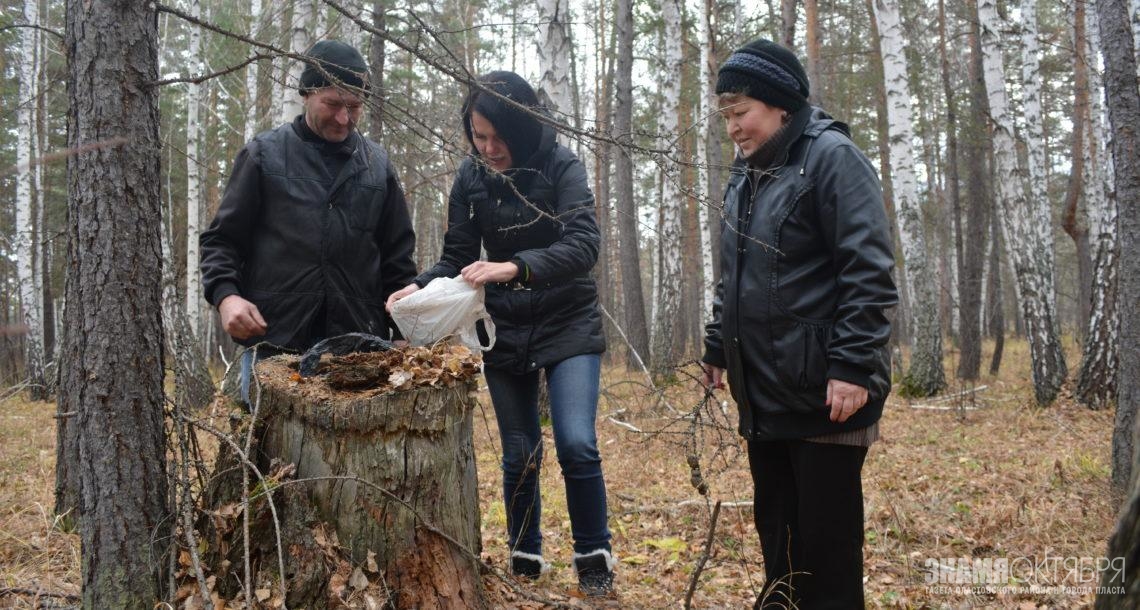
595 573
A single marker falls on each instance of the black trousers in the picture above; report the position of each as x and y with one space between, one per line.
809 514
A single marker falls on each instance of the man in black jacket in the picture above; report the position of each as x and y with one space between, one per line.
313 231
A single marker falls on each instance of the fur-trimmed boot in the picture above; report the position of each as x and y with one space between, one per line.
595 573
528 565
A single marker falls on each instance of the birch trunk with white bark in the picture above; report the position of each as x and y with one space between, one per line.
251 93
193 294
1042 221
667 306
706 117
1029 256
300 39
554 58
27 206
925 375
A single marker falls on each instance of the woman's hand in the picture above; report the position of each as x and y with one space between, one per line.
844 399
712 376
481 272
399 294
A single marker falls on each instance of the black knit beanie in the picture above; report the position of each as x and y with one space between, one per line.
332 62
765 71
521 131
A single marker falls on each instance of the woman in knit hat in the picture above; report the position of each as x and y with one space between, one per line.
799 324
525 199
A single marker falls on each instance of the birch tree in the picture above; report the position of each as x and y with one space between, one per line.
1028 253
706 116
1096 381
251 92
629 253
28 202
554 57
300 39
1040 220
111 394
925 376
667 304
193 293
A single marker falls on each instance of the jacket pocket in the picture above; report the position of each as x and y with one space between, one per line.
800 352
362 207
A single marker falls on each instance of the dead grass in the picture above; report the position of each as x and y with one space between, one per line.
1004 479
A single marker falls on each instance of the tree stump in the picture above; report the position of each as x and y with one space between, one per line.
392 471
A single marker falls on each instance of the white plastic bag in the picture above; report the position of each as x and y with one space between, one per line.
446 306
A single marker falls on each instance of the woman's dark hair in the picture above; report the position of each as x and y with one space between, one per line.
521 131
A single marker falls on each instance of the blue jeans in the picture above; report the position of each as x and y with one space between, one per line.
573 385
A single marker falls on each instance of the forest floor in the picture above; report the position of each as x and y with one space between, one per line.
982 476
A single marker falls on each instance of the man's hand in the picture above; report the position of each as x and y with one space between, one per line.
844 399
399 294
712 376
481 272
240 318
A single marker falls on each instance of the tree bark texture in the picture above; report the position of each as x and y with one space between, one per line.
111 373
377 55
28 201
300 39
1030 253
1096 384
814 57
415 444
626 209
554 53
977 203
1123 102
1075 190
787 23
953 199
925 376
667 301
193 291
707 199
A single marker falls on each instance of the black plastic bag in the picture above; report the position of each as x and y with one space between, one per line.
339 346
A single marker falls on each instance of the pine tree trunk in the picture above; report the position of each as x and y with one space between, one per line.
814 56
1096 384
925 376
994 301
1123 101
629 243
667 302
111 373
1071 218
787 23
1031 253
978 200
377 56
